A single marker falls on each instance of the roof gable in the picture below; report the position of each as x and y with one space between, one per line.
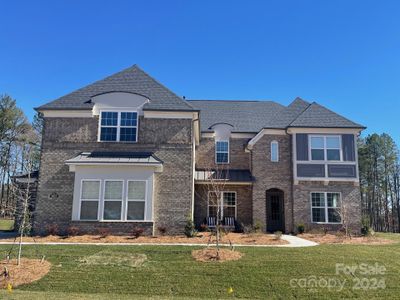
318 116
131 80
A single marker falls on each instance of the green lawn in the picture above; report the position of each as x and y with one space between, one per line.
6 225
93 272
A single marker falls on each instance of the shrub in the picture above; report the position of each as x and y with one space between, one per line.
278 235
366 229
258 226
52 229
301 228
72 231
103 232
162 229
247 229
204 227
190 230
137 232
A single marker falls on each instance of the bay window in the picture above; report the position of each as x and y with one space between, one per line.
116 203
118 126
325 207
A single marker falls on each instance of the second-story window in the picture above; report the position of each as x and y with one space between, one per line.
325 148
118 126
222 152
274 151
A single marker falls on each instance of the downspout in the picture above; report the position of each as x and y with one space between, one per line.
292 180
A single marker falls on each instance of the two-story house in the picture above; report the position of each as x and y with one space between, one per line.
125 152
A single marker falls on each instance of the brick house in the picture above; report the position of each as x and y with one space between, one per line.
125 151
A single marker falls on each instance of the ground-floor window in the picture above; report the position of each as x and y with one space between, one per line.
225 200
325 207
116 203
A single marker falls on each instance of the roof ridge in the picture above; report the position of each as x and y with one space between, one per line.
303 111
162 85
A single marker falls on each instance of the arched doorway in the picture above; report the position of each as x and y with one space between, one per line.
275 210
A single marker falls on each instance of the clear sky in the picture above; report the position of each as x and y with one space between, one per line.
343 54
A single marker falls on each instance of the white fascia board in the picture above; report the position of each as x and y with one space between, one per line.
325 130
264 132
154 114
72 165
67 113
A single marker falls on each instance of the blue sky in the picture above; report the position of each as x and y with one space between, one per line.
343 54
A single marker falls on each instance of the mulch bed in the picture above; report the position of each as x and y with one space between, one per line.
342 239
28 271
201 238
210 255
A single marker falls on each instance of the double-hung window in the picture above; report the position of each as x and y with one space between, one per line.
136 200
222 152
226 201
89 201
118 126
113 190
325 207
325 148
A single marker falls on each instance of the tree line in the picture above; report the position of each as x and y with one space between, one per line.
19 150
379 168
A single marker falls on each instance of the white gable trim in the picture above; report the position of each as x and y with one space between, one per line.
262 133
324 130
67 113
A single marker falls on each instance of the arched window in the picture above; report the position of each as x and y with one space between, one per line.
274 151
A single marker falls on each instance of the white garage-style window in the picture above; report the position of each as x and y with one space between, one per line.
89 200
121 200
274 151
325 148
136 200
325 207
226 201
118 126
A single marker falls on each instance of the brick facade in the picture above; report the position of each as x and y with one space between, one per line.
350 195
64 138
272 175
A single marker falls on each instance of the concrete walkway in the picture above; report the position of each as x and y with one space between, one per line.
294 242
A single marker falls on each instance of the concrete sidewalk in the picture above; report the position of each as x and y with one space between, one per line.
294 242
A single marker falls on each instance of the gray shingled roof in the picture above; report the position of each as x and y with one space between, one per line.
252 116
132 80
115 158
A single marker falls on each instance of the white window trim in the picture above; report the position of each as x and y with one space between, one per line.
277 151
325 207
216 161
325 148
221 201
80 199
118 126
127 200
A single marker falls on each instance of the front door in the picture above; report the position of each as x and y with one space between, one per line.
275 218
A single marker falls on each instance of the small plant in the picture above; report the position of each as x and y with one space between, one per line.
258 226
103 232
137 232
190 230
72 231
247 229
278 235
52 229
204 227
301 228
162 230
325 229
